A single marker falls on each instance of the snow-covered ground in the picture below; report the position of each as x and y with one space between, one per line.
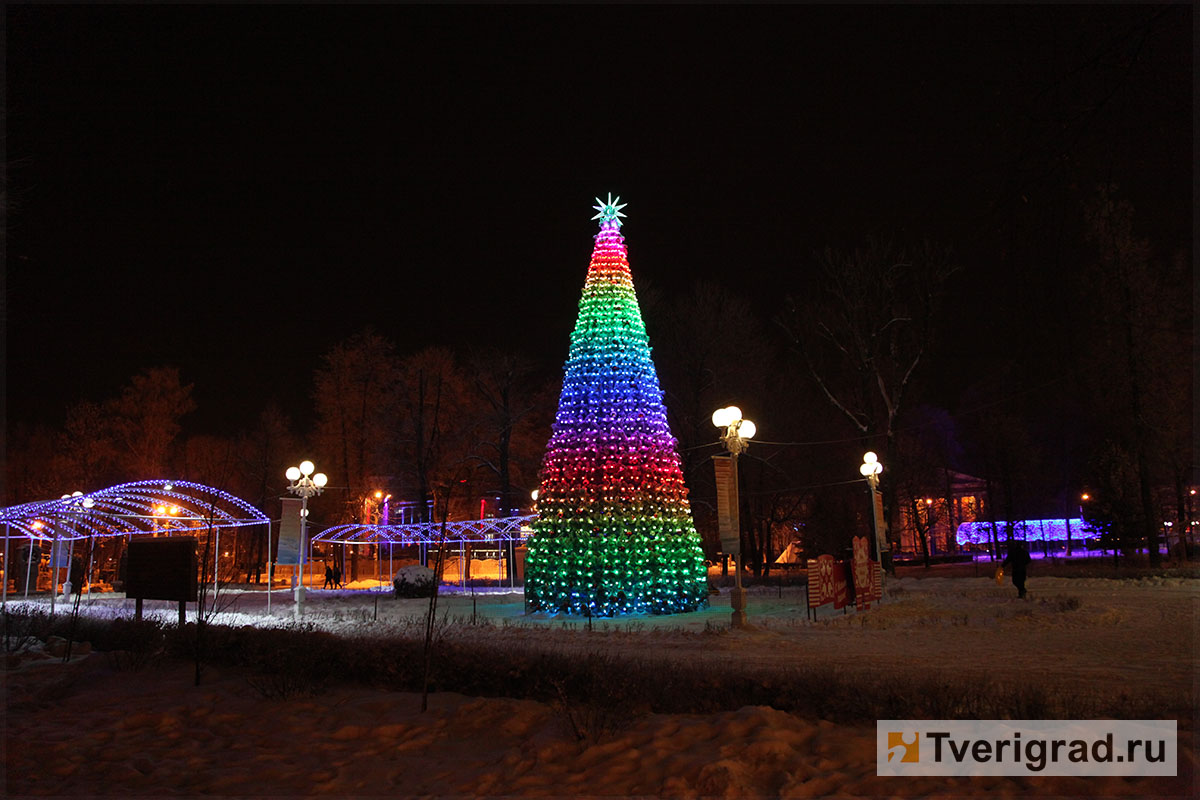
84 729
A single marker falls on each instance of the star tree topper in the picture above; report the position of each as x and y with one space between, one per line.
610 210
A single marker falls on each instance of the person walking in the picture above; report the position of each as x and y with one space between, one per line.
328 576
1017 561
337 577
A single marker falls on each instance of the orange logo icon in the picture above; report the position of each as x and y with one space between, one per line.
905 745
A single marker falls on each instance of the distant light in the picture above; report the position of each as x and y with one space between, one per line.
293 473
379 495
88 502
747 429
306 468
320 480
76 494
1085 496
534 495
1030 530
870 457
168 486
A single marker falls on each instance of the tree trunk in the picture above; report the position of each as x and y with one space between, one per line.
1141 430
991 514
952 530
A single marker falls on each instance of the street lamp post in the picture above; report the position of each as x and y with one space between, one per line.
870 469
305 485
736 436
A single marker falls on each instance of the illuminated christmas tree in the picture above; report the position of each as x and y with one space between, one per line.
614 533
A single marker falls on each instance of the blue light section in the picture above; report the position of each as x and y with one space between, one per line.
1030 530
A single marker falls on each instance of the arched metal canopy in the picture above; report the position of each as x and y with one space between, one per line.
500 529
130 509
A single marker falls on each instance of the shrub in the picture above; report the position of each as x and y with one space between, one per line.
25 625
288 662
130 645
413 581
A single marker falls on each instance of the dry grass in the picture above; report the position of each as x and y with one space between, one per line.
597 691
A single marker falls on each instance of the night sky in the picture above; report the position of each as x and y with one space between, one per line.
232 190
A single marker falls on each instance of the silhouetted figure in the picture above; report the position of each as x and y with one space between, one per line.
76 573
337 578
328 576
1017 561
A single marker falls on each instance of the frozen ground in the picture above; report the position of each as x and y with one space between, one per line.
82 729
1107 634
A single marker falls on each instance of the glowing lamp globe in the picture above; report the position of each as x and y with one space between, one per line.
720 418
747 429
293 473
870 465
320 480
306 468
88 502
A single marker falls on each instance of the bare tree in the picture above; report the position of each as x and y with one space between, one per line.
435 428
1138 335
508 395
262 450
701 341
865 326
355 391
145 420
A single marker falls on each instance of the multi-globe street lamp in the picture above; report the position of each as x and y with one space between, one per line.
736 436
870 469
304 485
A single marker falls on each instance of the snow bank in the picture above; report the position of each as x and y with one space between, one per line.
84 730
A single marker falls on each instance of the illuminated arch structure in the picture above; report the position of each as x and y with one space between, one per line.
475 531
504 533
127 509
1047 531
130 509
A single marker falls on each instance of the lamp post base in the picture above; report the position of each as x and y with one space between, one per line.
299 601
737 599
